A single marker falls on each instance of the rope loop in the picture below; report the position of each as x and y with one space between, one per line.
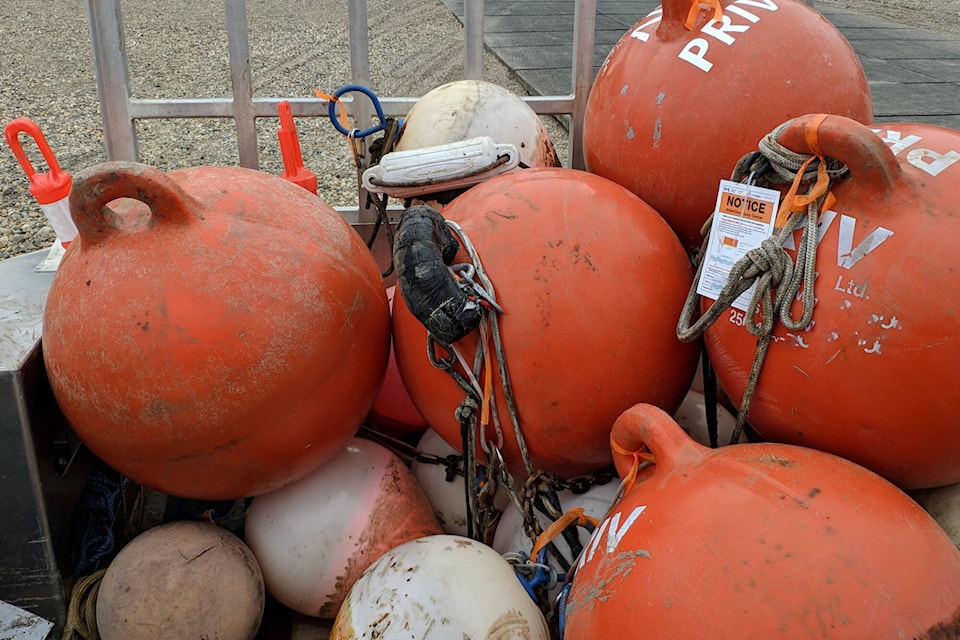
778 278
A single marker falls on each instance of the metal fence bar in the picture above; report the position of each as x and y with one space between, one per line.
113 80
120 110
584 30
235 12
361 109
473 39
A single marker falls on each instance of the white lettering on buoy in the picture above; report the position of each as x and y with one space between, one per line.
896 141
847 255
653 18
695 51
931 162
743 13
723 30
614 534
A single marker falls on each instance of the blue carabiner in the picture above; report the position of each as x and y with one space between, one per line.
376 105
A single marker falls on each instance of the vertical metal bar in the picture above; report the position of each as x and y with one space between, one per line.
239 46
361 109
473 39
113 80
584 34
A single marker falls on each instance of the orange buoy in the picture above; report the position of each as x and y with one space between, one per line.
589 279
393 412
864 379
215 332
759 541
687 91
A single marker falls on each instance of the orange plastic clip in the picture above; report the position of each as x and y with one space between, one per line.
293 168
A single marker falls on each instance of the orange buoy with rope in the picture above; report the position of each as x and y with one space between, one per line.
213 332
558 317
858 286
758 541
692 86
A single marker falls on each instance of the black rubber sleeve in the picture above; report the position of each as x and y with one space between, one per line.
422 249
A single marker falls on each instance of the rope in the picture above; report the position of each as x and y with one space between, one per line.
769 266
93 519
82 611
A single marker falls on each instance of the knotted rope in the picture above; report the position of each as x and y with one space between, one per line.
777 277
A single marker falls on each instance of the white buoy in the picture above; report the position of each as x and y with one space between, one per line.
438 588
314 538
447 496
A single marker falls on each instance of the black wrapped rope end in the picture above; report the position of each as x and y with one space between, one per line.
423 248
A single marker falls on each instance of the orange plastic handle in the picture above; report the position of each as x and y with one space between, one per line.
46 187
852 143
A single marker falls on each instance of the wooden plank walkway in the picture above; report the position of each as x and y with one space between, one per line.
914 74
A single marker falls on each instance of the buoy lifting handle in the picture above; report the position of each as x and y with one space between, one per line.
851 142
48 187
99 185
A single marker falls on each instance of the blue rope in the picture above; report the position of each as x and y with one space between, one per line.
93 518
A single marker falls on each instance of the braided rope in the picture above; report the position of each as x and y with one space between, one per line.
777 277
82 610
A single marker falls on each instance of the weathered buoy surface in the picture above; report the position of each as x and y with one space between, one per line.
181 581
780 541
439 587
464 109
314 537
590 280
673 108
213 332
860 380
393 412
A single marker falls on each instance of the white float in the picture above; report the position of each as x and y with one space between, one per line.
439 588
447 496
314 538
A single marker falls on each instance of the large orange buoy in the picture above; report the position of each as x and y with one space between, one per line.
673 108
221 341
589 279
866 379
759 541
393 412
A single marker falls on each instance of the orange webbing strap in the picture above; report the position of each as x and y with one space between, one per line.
342 116
487 383
691 20
638 455
793 202
575 515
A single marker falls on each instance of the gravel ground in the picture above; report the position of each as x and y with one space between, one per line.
296 46
178 49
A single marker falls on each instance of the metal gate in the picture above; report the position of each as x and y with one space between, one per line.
120 109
